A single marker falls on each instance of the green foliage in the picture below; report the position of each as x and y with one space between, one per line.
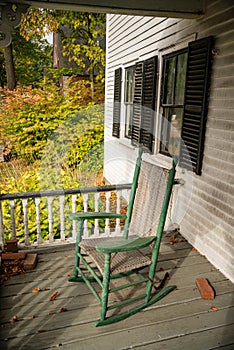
86 39
36 23
30 116
30 60
69 152
27 182
83 35
61 143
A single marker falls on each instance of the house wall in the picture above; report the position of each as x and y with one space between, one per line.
203 207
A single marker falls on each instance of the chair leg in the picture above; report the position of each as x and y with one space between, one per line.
75 277
152 269
105 287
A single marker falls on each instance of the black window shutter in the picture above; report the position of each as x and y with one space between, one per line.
117 102
144 102
137 103
148 102
196 103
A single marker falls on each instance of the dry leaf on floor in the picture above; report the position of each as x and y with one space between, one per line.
63 309
54 296
173 240
213 308
14 319
36 290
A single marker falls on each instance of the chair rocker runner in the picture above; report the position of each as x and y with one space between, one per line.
106 260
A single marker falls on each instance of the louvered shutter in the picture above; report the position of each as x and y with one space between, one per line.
148 102
137 104
196 103
144 102
117 103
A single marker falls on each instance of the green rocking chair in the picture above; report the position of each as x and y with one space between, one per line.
106 260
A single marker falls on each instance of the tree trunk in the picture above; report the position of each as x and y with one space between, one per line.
10 69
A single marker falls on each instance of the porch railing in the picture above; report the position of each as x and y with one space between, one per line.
37 218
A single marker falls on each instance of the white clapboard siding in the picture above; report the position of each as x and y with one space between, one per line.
204 206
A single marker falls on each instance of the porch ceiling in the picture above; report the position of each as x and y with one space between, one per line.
166 8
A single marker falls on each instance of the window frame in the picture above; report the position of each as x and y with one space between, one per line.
165 107
128 101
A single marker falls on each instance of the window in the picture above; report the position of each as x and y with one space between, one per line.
140 95
184 102
174 75
128 100
186 81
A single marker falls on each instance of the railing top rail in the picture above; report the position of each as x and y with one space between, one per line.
53 193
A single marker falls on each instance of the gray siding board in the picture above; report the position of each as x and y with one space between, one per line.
221 145
222 124
208 221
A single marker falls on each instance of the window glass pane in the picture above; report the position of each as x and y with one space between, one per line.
129 85
129 97
171 131
169 77
128 120
180 78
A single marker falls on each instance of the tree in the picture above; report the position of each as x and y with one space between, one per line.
9 66
23 61
31 59
82 35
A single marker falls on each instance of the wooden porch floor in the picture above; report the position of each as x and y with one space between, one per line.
182 320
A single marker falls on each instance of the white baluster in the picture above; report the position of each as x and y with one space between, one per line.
118 206
50 218
38 220
107 226
96 208
1 228
86 231
25 211
62 217
12 206
74 224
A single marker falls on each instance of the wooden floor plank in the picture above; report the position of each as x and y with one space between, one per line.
217 338
88 337
89 313
181 318
71 298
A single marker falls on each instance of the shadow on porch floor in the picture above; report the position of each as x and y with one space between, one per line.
181 320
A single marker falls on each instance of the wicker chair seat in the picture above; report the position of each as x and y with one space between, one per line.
120 262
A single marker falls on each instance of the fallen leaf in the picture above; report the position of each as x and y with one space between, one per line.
54 296
194 249
173 240
14 319
213 308
63 309
31 317
36 290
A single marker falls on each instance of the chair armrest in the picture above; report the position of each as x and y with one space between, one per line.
125 244
96 215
